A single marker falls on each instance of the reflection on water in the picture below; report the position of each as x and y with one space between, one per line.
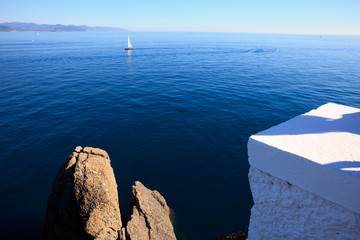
130 61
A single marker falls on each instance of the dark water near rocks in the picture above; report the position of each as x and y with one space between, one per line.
175 114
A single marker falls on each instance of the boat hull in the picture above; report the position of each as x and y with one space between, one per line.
129 49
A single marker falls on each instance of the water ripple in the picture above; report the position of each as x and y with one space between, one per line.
175 114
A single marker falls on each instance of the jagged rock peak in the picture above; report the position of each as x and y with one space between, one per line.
84 204
84 201
150 216
93 151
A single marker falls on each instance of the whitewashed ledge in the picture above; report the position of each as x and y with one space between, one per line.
305 176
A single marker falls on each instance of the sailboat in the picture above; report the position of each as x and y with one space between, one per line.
129 45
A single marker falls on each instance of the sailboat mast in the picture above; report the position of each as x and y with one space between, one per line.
129 43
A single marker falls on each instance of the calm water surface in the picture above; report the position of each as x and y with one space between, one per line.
175 113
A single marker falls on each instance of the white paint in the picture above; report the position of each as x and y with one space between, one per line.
285 211
318 151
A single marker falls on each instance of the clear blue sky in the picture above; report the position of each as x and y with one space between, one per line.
261 16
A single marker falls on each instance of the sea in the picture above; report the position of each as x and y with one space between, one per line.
174 113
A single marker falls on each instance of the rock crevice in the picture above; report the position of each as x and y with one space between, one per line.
151 212
84 204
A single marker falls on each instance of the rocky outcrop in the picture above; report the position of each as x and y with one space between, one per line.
84 201
150 217
84 204
96 194
62 220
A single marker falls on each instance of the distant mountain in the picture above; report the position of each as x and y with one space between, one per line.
4 28
32 27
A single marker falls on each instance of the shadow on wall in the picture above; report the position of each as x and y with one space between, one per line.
307 124
352 168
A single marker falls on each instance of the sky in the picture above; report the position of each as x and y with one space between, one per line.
254 16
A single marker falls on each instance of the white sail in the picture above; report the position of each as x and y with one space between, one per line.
129 43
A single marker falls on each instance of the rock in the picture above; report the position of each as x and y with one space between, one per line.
150 217
96 194
84 201
62 220
136 227
240 235
84 204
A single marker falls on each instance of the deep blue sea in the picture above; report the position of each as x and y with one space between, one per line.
175 113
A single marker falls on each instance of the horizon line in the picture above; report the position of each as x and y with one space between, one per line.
183 31
199 31
191 31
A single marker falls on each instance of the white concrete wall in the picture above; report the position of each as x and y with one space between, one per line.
285 211
305 176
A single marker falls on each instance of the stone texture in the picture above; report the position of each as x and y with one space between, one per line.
136 227
84 202
284 211
96 194
62 220
150 217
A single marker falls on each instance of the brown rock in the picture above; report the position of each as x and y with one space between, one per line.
96 194
62 220
84 202
136 227
150 218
